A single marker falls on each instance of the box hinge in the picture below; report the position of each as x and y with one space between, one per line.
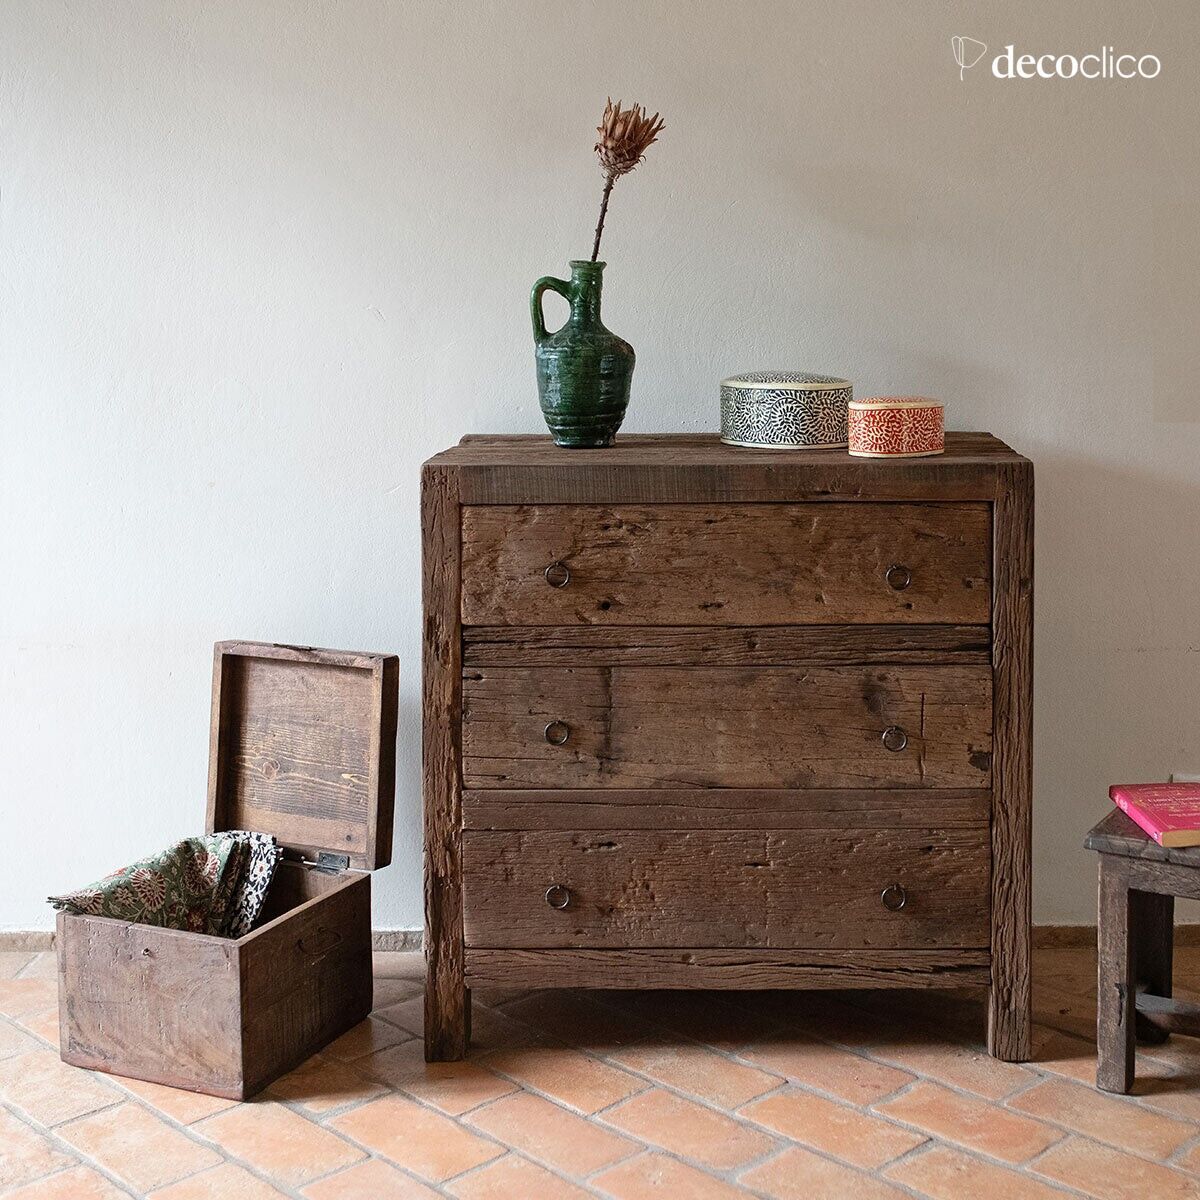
327 860
332 863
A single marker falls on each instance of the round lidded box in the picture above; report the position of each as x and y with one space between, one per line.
896 427
785 410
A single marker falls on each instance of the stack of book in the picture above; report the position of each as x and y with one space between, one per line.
1168 812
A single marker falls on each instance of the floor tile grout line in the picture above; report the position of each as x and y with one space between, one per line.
978 1153
918 1077
226 1156
193 1132
63 1146
934 1143
1031 1166
727 1174
456 1119
469 1128
1056 1123
557 1173
21 973
1037 1075
375 1156
1188 1147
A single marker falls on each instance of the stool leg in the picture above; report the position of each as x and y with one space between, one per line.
1115 990
1152 934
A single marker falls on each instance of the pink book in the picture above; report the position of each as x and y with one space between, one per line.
1168 812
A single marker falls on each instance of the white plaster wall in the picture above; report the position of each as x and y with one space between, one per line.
259 260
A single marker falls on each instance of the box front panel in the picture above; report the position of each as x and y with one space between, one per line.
150 1003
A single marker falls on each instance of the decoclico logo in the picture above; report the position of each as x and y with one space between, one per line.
1105 63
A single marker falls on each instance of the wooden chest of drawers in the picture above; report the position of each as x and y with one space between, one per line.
697 716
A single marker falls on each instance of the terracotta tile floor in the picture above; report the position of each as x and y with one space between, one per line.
695 1096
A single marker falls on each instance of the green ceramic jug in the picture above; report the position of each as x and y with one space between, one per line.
583 370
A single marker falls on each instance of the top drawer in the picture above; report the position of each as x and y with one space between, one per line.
726 564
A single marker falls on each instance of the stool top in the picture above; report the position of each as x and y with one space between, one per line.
1117 834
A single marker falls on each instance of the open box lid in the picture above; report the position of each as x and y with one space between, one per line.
303 745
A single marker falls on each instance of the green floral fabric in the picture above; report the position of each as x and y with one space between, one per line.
195 884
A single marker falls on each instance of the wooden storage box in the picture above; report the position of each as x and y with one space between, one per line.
302 746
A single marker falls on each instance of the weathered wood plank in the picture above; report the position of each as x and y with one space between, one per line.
446 997
305 978
1116 986
150 1003
1118 834
725 808
1010 1004
219 1015
303 745
726 888
713 646
726 564
727 727
1160 878
736 969
1166 1016
699 468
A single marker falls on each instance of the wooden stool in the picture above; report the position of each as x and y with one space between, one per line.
1139 881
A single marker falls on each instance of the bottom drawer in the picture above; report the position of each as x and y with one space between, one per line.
804 888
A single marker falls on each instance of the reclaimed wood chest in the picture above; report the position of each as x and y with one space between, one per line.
701 716
302 745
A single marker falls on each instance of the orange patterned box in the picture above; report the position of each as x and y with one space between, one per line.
896 427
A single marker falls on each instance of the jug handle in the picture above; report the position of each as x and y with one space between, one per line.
546 283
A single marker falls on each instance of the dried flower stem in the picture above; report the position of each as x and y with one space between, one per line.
608 187
624 139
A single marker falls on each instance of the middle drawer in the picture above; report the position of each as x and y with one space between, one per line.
630 727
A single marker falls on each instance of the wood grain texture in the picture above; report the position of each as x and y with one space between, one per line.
728 969
150 1003
305 977
1118 834
726 564
725 808
699 468
1115 982
712 646
727 888
1160 878
446 997
630 727
219 1015
303 745
1010 1003
758 598
1165 1016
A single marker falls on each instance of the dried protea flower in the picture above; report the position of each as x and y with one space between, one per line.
625 136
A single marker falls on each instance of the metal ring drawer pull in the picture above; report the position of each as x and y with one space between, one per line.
898 577
558 896
557 574
894 897
894 739
557 732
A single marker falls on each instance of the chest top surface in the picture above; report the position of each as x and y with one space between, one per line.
701 450
513 469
